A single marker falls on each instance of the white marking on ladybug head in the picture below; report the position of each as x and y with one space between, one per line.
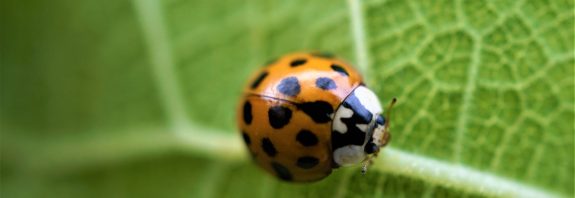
362 127
368 99
342 112
349 155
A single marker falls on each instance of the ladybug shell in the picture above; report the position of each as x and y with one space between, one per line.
285 115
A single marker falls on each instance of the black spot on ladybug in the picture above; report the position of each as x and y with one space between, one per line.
306 138
298 62
339 69
246 138
380 120
289 86
325 83
279 116
259 79
319 111
268 147
327 55
282 171
248 112
307 162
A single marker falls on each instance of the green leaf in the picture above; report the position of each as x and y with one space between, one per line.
137 98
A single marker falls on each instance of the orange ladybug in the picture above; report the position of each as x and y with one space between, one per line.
305 114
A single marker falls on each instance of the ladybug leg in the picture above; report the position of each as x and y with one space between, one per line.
365 165
367 162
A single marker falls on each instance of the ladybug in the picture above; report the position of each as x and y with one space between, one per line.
305 114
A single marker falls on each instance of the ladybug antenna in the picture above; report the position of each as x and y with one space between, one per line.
388 114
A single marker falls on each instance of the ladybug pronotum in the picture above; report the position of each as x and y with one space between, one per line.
305 114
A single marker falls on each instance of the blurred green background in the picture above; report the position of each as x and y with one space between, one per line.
137 98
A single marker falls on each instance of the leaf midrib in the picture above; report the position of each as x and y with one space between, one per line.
56 159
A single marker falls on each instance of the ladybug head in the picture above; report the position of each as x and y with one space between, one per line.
359 128
379 129
379 138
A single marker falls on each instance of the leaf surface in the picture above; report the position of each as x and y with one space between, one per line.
137 98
